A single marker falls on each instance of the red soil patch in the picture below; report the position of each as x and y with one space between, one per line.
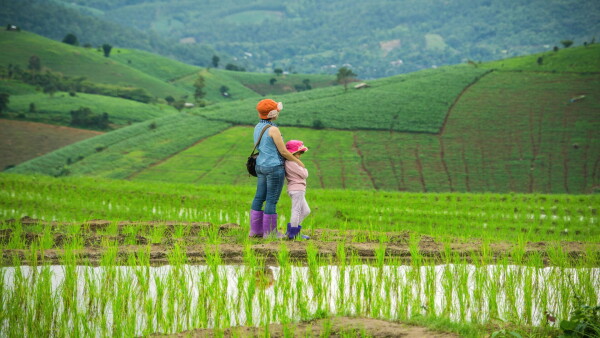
21 141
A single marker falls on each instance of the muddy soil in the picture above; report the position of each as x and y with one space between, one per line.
333 327
199 239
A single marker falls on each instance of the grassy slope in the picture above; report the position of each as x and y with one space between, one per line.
160 67
57 107
213 80
125 151
575 59
18 47
395 103
260 82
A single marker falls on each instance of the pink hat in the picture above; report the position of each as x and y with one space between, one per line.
295 146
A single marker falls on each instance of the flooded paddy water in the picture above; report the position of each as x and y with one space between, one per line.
140 300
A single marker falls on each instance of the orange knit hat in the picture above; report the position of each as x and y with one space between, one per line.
268 108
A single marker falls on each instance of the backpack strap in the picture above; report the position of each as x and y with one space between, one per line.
260 137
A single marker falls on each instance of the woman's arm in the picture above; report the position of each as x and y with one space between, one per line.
278 139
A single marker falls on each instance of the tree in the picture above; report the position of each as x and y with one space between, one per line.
4 100
70 39
540 61
224 91
35 64
306 83
278 71
318 124
170 99
215 61
106 48
50 88
344 76
567 43
84 117
231 66
272 81
199 85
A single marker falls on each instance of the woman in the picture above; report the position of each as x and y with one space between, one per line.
270 170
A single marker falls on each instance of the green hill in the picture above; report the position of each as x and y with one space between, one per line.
73 61
416 102
56 109
579 59
460 128
124 70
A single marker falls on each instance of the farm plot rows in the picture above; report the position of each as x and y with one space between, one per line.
125 151
100 278
491 217
159 261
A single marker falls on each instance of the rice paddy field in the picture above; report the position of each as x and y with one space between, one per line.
98 257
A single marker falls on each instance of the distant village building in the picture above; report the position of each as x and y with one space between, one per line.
388 46
361 85
188 41
11 27
188 105
397 63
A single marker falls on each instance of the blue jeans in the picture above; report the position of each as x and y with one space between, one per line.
268 188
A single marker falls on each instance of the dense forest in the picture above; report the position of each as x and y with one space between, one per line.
375 38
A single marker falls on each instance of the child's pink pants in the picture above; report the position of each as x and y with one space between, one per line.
300 208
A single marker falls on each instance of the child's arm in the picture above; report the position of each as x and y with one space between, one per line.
278 140
296 169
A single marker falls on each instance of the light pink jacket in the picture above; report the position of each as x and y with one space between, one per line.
296 176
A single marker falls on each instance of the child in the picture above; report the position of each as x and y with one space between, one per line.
296 186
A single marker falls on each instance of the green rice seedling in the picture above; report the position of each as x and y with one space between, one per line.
157 233
415 252
380 255
527 294
47 240
17 240
463 292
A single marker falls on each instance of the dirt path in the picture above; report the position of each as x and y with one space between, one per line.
332 327
193 237
458 97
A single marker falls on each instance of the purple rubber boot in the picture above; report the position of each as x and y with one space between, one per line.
294 232
270 226
256 223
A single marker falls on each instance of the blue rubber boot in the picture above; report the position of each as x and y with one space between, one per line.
294 232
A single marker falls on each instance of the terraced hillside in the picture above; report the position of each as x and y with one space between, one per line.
416 102
85 80
462 128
